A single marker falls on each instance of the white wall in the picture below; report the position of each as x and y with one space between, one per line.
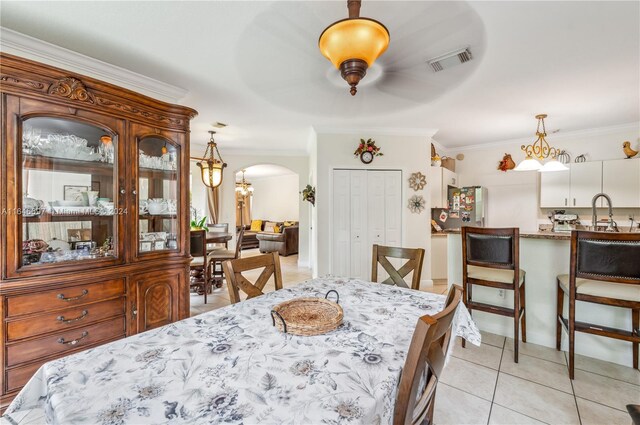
198 191
513 197
297 164
276 198
406 153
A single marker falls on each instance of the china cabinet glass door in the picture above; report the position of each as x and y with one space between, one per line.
68 179
158 195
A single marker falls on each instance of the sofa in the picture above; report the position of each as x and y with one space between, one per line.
250 239
285 243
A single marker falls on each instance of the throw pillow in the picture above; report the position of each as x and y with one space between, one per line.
289 223
278 228
256 225
270 226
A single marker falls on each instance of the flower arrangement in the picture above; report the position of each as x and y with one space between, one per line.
309 194
368 145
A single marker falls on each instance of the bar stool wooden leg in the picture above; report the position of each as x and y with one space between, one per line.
635 325
523 305
572 334
559 312
516 322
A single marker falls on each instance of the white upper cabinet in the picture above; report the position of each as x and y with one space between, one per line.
555 189
441 179
618 178
586 182
621 181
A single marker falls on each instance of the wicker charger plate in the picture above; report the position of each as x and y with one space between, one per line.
307 316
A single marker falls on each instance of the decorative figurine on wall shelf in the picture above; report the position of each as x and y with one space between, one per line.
367 150
417 181
506 163
626 147
416 204
309 194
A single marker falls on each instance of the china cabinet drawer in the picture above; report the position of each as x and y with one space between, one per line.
59 343
64 297
64 319
17 377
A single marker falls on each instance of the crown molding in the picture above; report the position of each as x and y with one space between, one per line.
377 131
29 47
558 137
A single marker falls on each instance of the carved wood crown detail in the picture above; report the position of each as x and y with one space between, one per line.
22 82
73 89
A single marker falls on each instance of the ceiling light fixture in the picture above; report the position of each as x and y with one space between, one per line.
210 167
539 151
354 44
243 187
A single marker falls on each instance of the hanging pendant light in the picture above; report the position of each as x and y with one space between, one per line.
539 151
243 187
354 44
210 167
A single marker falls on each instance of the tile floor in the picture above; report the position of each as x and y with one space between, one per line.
482 385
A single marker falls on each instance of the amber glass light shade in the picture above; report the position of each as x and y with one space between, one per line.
359 38
211 173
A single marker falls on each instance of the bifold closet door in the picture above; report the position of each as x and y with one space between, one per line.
341 265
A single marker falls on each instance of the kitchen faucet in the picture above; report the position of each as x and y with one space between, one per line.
594 218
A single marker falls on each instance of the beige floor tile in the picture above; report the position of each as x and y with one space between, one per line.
612 370
492 339
603 390
470 377
536 401
596 414
503 416
456 407
539 351
537 370
485 355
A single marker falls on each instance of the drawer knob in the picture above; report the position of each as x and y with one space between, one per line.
84 293
82 316
73 341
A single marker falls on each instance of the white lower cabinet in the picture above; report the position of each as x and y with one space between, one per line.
367 210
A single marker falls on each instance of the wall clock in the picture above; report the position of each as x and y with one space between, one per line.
366 157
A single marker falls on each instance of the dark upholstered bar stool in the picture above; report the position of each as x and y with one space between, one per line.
491 257
605 269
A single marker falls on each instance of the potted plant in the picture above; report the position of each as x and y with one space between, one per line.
309 194
199 224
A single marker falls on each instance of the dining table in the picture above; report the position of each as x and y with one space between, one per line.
218 237
233 366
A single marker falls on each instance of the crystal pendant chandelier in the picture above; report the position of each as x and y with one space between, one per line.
540 150
243 187
354 44
210 167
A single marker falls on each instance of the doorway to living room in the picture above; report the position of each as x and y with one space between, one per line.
267 206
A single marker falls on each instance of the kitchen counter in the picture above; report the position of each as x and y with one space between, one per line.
528 235
543 256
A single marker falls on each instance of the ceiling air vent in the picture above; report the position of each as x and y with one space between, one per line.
450 59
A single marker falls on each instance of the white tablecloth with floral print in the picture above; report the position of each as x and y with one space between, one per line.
232 366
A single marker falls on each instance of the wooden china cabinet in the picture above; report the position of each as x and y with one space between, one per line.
95 207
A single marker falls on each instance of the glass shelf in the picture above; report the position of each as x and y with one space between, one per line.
68 185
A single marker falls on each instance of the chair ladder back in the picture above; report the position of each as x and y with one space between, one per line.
426 356
236 282
414 257
239 242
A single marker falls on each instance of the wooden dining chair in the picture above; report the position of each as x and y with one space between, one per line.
381 255
199 271
605 270
416 395
216 257
220 228
236 282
